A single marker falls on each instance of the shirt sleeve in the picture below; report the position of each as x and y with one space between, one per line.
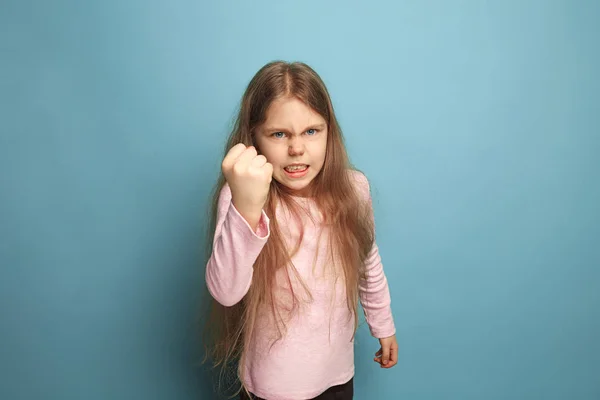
235 249
374 291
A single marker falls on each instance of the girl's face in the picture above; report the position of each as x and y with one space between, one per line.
293 139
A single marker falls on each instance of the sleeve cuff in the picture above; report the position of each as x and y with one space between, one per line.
262 230
383 334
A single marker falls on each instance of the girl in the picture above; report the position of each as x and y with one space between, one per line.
293 250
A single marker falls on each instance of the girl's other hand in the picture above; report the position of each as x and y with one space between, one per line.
387 356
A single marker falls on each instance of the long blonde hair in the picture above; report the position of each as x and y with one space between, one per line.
348 218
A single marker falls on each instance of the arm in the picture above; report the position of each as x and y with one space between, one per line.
374 290
375 298
235 249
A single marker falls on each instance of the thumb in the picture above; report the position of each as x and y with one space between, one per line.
386 354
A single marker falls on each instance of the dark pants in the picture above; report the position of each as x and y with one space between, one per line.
338 392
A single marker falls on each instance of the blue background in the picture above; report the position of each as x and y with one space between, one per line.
477 123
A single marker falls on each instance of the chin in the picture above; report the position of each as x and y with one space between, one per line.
296 186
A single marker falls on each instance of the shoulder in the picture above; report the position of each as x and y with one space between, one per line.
361 183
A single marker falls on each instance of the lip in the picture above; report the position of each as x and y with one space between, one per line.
298 174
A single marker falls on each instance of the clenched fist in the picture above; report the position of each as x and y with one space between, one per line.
249 176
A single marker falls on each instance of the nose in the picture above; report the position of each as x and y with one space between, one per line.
296 147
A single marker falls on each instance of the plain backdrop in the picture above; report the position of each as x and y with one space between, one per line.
477 123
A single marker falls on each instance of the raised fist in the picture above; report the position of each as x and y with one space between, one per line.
249 177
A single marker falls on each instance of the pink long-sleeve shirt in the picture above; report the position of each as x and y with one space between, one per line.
317 350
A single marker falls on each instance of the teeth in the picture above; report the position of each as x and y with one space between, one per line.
293 168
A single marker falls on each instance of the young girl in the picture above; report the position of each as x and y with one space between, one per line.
293 250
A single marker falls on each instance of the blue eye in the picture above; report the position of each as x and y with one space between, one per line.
311 132
279 135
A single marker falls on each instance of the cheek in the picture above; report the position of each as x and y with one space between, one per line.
321 150
272 154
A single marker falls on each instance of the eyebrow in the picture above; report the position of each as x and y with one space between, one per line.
314 126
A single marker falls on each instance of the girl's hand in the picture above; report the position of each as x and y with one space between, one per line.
249 176
387 356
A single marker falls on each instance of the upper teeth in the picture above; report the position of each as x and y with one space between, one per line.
296 167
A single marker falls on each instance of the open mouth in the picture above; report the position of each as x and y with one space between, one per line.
296 170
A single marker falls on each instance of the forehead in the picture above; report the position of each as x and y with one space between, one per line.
291 113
